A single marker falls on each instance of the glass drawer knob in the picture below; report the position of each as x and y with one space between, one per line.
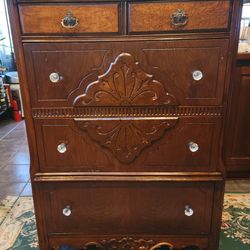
197 75
62 148
67 211
188 211
193 147
55 77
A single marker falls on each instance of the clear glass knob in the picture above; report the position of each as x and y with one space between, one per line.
55 77
193 147
197 75
62 148
188 211
67 211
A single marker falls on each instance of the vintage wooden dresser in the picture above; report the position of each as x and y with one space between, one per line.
125 106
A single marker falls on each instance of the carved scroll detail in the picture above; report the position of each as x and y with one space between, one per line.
125 243
127 137
125 83
129 243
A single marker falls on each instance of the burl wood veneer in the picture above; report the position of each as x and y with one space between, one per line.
125 104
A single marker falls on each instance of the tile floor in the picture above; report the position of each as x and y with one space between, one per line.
14 159
14 163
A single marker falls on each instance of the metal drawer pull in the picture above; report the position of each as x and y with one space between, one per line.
69 21
193 147
67 211
179 18
188 211
62 148
197 75
55 77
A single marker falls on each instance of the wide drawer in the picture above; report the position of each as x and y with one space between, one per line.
166 16
192 71
128 144
69 18
128 208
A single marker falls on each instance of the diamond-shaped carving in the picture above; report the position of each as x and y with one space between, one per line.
126 138
125 83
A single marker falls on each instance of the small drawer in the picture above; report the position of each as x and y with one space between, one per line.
167 16
128 208
69 18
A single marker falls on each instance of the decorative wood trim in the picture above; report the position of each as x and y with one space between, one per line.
126 137
128 243
156 111
124 84
129 177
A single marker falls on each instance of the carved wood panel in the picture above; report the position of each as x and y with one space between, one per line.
125 83
126 137
129 243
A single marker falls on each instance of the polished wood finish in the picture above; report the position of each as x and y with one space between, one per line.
171 63
150 158
129 208
125 137
237 155
156 17
46 18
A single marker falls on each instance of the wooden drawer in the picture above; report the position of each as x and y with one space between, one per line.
128 208
69 18
171 63
132 144
168 16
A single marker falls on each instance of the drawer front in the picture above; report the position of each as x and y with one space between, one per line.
133 145
169 16
172 64
134 208
69 18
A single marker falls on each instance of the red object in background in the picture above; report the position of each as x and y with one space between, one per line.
16 113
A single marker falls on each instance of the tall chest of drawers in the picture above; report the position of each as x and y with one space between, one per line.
125 103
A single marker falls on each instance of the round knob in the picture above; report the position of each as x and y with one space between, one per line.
197 75
67 211
193 147
188 211
55 77
62 148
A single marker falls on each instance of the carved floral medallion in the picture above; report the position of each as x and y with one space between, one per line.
125 84
125 138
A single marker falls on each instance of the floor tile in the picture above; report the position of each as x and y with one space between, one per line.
15 173
6 126
14 189
21 157
27 190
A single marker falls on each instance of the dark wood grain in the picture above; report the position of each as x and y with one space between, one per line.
169 63
119 48
238 136
159 156
134 208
